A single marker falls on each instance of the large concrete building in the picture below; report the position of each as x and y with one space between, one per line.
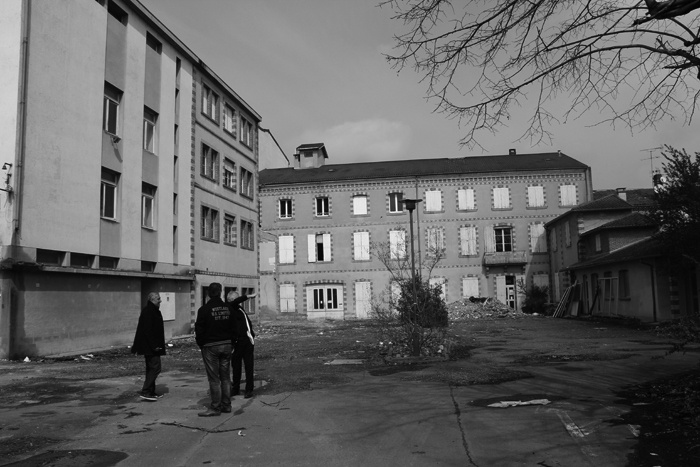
320 225
128 166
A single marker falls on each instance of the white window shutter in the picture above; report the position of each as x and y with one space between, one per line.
462 199
463 241
286 249
471 240
312 248
326 247
501 288
490 239
309 299
470 287
470 199
359 205
433 200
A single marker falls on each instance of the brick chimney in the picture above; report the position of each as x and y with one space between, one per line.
512 152
310 156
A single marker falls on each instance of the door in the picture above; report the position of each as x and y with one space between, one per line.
506 291
363 296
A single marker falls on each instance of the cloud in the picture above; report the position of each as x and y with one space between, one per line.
363 141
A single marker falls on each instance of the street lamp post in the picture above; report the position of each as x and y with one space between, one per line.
411 205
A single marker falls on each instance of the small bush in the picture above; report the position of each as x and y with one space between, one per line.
536 299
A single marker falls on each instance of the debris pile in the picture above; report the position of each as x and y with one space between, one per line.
471 308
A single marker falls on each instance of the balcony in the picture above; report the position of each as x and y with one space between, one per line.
505 258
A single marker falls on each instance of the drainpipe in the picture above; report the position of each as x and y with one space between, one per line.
652 274
21 124
420 255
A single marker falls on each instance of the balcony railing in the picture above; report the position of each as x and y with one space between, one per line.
505 257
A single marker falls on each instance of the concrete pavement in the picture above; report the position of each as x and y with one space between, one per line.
390 420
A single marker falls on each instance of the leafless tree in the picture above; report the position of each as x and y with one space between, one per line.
627 61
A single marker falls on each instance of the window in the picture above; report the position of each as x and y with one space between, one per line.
322 206
319 247
108 262
501 198
598 243
286 249
470 287
108 195
247 187
567 233
567 195
287 301
359 205
467 240
554 239
439 281
230 230
229 175
50 257
247 237
149 129
210 163
538 239
210 103
503 239
395 202
433 201
435 240
624 284
148 205
535 197
248 305
110 117
152 42
397 244
361 246
81 260
286 209
322 298
246 132
117 13
466 200
210 224
230 120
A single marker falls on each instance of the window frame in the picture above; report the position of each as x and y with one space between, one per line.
112 96
210 103
465 202
501 198
397 244
247 183
468 241
229 121
148 200
285 300
397 199
247 235
505 242
288 211
433 199
246 131
319 210
286 251
209 166
105 183
150 122
358 208
535 197
566 192
361 248
209 224
323 294
230 230
228 179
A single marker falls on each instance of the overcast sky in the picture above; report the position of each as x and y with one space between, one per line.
314 71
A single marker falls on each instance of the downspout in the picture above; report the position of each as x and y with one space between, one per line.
21 124
652 271
420 254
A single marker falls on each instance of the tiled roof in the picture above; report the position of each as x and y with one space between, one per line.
543 162
631 221
647 248
637 197
607 203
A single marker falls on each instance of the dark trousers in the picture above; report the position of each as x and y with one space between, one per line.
242 353
217 362
152 371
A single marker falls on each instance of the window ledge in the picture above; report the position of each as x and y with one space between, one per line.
536 207
502 209
210 240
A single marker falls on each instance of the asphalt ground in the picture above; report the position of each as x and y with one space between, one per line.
564 413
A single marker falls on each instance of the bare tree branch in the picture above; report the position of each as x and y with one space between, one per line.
480 59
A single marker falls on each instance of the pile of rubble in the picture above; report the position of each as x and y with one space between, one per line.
479 308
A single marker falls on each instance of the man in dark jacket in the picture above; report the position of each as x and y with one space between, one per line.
149 341
243 344
213 332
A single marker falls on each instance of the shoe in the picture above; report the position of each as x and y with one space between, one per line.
225 409
148 397
209 413
248 394
234 391
157 396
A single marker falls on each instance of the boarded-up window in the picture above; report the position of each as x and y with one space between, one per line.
433 201
470 287
535 196
286 248
467 239
361 246
287 301
465 200
501 198
567 195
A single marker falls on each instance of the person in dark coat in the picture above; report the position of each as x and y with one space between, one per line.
213 333
243 344
149 341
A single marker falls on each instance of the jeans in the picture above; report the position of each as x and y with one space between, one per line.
152 371
242 353
217 362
